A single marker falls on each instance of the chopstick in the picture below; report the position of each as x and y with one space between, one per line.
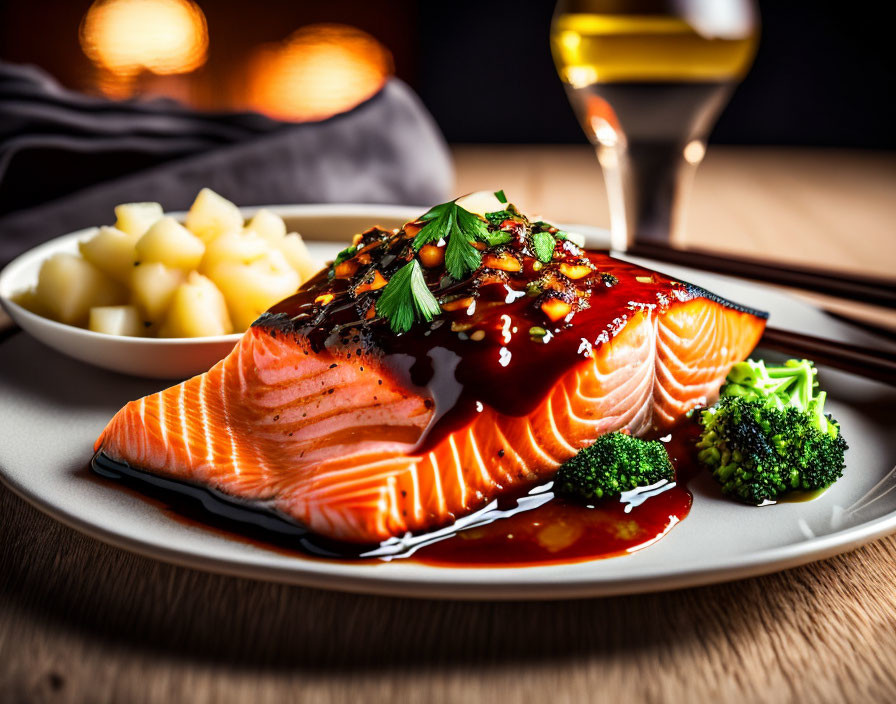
875 364
856 287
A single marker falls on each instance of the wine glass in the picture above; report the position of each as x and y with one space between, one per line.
647 79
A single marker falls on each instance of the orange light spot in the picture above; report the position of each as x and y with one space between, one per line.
318 71
127 37
324 298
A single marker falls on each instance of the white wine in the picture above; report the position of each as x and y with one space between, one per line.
647 84
601 48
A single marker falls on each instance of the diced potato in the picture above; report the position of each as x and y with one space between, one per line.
170 243
69 286
197 310
212 215
267 224
481 202
137 218
111 251
116 320
29 300
153 285
243 247
250 289
296 252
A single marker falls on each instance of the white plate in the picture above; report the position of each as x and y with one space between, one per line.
52 408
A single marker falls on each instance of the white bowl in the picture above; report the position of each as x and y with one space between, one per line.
326 229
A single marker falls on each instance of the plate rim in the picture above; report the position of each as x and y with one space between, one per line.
515 588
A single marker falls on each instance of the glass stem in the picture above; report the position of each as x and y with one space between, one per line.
647 187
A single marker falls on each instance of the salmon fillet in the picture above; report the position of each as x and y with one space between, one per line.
363 435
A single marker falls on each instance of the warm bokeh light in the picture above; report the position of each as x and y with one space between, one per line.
127 37
319 71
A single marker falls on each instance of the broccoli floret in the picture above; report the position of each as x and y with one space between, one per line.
613 464
769 435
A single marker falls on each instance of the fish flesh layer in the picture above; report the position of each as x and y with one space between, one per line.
327 417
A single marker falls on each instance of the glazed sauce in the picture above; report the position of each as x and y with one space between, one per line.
562 530
483 353
529 529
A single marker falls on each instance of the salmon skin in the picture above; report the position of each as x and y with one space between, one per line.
323 415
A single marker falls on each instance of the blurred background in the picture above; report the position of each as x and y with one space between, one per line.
472 101
823 76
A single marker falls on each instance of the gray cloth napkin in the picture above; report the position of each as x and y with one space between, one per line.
67 159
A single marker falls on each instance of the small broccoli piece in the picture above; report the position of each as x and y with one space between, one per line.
613 464
769 435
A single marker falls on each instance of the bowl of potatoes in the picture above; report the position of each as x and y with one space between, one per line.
168 295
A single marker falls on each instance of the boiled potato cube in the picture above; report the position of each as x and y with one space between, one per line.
172 244
197 310
116 320
267 224
243 247
212 215
273 230
29 300
153 285
69 286
137 218
250 289
111 251
296 252
481 202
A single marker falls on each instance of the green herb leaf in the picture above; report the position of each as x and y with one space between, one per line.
407 298
436 210
470 224
497 217
460 228
543 246
496 237
436 227
500 196
461 257
345 254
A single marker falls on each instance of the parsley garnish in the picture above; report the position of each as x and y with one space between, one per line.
543 246
500 196
406 298
345 254
496 237
460 228
497 217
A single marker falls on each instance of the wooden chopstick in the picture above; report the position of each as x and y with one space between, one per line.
856 287
875 364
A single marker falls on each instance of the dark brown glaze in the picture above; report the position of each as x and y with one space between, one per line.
566 531
495 343
526 529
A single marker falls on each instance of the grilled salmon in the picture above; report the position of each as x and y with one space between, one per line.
328 416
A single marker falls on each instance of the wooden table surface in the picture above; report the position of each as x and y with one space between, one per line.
80 621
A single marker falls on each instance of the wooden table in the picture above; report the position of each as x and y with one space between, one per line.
80 621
